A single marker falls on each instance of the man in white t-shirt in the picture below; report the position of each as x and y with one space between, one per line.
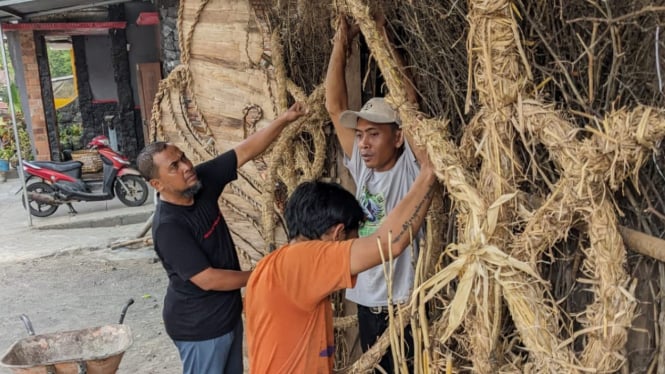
383 166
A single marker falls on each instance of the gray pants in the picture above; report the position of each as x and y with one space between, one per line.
222 355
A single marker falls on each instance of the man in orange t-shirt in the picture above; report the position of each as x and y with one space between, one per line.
288 310
287 306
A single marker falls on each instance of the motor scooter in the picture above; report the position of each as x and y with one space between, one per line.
62 183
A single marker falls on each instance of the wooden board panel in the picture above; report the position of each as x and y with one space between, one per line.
226 32
222 93
148 75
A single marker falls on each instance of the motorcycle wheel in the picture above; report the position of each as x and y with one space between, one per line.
39 209
137 190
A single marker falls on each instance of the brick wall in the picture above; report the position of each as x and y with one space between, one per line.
34 92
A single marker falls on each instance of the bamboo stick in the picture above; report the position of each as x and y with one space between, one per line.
643 244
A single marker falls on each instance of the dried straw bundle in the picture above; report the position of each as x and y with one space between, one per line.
477 231
522 178
553 351
291 160
589 168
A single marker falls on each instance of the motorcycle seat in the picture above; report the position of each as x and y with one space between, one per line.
62 167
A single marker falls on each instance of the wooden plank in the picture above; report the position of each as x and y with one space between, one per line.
222 93
353 79
148 76
226 30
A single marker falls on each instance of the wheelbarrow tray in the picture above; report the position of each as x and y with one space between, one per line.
100 348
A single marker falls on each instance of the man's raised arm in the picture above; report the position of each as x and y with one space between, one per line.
336 95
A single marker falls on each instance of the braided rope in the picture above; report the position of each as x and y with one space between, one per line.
185 50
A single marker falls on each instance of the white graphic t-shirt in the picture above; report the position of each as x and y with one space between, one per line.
378 193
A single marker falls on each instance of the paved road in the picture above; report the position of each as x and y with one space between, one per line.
97 225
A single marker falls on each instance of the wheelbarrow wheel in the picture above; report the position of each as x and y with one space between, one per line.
38 208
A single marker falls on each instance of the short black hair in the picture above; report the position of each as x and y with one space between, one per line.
145 162
314 207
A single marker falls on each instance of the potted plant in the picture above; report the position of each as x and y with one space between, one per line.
5 154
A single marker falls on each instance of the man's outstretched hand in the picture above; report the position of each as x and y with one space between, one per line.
296 111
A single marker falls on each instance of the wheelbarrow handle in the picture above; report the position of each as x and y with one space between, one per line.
124 310
27 324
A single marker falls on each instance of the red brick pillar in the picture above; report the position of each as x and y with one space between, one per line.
34 92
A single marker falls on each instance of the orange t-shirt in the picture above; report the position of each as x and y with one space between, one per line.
287 307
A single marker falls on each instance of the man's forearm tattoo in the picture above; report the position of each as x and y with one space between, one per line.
406 227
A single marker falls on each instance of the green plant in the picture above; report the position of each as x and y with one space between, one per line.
26 145
7 152
8 141
70 136
16 98
60 62
6 144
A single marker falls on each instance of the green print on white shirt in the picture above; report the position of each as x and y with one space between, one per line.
374 206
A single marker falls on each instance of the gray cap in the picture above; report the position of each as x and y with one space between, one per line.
375 110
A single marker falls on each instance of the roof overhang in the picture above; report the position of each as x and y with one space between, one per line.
24 10
67 28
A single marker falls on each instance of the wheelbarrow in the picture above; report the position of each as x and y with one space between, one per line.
96 350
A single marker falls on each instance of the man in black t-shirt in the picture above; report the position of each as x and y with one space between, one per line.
202 306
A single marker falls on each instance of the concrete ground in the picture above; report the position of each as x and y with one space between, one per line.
97 225
61 272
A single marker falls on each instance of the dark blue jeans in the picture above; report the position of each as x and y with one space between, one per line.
371 326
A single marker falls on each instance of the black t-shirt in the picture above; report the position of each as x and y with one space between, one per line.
189 239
